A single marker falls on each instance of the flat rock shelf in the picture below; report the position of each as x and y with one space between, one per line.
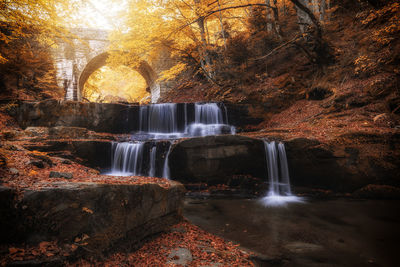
100 214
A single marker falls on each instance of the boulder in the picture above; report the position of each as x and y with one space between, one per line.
13 171
36 131
98 214
217 159
66 175
37 163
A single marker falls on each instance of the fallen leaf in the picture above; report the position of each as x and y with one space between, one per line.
87 210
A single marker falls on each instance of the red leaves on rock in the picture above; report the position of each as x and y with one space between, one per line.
31 177
206 249
41 251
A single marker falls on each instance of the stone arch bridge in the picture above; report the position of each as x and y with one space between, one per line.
86 50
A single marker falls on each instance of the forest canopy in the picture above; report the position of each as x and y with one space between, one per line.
216 41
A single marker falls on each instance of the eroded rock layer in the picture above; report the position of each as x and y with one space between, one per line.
98 214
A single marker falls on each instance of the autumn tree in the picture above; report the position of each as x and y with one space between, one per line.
199 32
28 30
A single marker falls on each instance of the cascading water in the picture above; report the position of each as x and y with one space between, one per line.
160 118
140 159
153 154
161 122
127 158
279 192
166 173
209 120
164 121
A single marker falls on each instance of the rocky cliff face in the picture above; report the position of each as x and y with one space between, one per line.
216 159
345 164
105 117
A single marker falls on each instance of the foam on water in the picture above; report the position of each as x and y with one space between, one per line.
279 200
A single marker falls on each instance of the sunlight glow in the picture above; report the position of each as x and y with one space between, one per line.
101 14
119 84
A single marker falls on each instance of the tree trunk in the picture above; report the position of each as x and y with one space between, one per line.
269 16
302 17
322 11
315 6
204 56
203 50
222 25
306 14
284 8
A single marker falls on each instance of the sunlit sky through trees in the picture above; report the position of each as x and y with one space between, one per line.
101 14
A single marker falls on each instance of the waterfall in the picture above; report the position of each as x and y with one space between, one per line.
285 186
162 122
153 154
166 173
209 120
208 113
279 192
127 158
158 118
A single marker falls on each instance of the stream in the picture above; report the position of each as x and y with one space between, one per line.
339 232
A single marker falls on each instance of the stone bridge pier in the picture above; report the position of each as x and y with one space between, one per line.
86 50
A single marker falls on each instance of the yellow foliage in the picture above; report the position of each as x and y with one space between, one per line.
173 72
153 25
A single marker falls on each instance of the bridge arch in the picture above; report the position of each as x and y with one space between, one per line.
144 69
85 51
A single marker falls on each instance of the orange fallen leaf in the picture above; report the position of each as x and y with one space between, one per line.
12 250
87 210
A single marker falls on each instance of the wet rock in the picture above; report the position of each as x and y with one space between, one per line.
36 131
216 159
13 171
242 115
37 163
66 161
101 117
7 214
97 214
66 175
90 153
375 191
42 157
345 164
180 256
